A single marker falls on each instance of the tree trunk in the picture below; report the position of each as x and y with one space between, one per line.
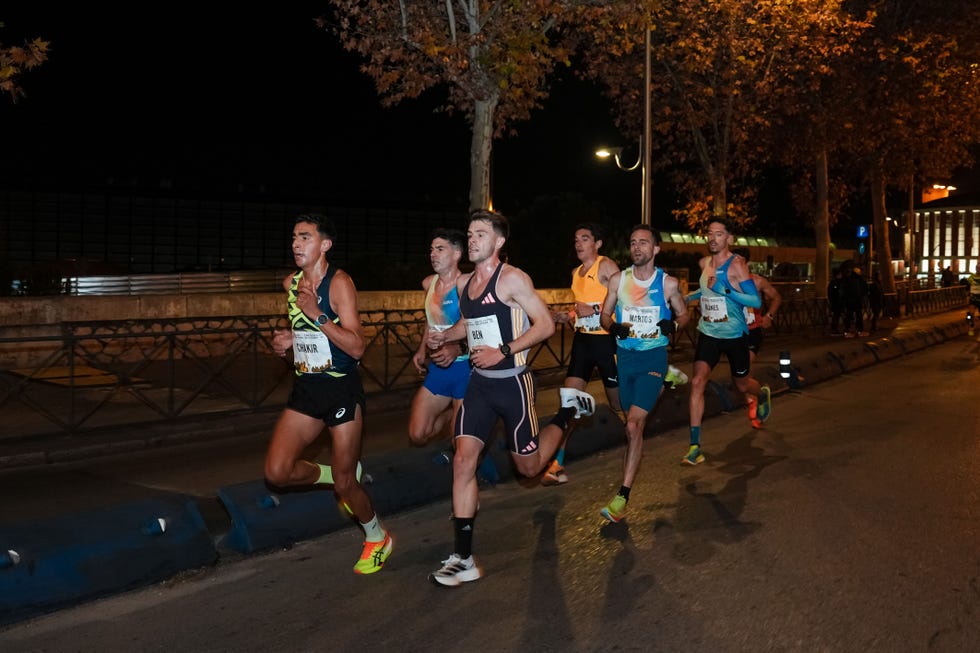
821 227
719 195
481 145
879 233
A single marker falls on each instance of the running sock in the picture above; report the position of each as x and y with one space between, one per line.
696 435
373 531
561 418
463 527
560 457
624 492
326 475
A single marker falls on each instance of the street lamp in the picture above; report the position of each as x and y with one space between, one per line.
617 153
646 151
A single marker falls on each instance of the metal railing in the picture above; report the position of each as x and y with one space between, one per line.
176 284
105 374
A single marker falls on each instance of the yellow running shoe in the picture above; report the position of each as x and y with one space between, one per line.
374 555
616 509
693 456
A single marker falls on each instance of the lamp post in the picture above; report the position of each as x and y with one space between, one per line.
646 197
646 150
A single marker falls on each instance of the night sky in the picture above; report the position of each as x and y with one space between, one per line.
263 100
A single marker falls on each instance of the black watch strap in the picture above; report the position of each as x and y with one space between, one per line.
505 349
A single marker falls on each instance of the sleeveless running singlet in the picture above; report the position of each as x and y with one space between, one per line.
442 313
490 323
589 290
721 317
642 303
313 352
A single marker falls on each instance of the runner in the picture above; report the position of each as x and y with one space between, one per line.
503 317
726 288
649 308
326 342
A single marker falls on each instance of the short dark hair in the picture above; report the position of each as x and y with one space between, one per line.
324 225
454 237
645 227
742 251
725 222
591 227
497 221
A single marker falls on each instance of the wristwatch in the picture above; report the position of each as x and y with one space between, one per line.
505 349
323 319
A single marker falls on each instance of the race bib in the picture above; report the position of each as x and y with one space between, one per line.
483 332
643 321
589 323
311 352
713 309
749 314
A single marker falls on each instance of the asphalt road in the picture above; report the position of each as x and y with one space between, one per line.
848 524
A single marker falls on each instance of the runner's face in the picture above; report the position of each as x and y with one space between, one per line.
586 246
308 244
718 237
443 256
481 241
642 248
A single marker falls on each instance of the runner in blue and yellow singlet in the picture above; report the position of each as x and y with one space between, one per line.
648 307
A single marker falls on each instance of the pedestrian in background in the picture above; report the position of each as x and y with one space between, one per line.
854 291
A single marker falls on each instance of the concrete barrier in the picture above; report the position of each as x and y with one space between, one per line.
819 368
914 340
952 330
886 349
855 357
60 561
264 518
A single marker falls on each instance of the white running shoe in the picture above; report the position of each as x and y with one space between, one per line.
456 571
582 402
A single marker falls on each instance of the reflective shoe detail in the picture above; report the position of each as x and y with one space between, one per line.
674 377
616 509
582 402
765 404
455 571
374 556
555 475
693 456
